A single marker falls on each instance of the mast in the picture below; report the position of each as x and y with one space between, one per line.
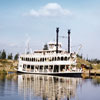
57 31
68 41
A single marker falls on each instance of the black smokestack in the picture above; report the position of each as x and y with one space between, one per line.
68 41
57 31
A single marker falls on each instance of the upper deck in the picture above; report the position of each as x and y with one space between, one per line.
50 52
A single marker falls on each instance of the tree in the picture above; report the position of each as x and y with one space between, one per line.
0 54
45 47
16 56
80 56
3 55
10 56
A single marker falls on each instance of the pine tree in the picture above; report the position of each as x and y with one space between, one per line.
10 56
3 55
16 56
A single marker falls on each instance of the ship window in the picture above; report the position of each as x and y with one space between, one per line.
24 66
40 59
65 58
32 67
55 58
32 59
62 58
41 67
58 58
26 59
22 58
43 59
28 66
49 59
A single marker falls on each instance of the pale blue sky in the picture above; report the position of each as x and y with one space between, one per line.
21 20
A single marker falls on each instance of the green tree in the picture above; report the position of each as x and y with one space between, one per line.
80 56
0 54
3 55
45 47
10 56
16 56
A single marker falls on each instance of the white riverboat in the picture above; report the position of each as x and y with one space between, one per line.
53 61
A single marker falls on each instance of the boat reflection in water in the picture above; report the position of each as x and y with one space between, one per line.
43 87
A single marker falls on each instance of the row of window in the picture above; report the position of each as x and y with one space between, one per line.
45 59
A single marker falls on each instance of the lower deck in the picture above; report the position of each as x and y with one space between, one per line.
59 70
48 68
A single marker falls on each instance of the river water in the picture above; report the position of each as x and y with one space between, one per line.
43 87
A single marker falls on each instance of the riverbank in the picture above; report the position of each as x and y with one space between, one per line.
7 65
95 72
89 68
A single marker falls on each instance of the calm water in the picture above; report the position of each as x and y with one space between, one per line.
38 87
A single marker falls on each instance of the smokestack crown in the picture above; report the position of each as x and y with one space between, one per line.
68 31
57 30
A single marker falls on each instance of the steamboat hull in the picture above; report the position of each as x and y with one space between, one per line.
65 74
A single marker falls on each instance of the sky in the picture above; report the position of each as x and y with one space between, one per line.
35 22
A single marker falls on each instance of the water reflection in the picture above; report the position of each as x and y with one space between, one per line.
39 87
47 87
96 80
7 84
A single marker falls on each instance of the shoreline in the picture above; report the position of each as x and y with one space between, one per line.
10 66
7 65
